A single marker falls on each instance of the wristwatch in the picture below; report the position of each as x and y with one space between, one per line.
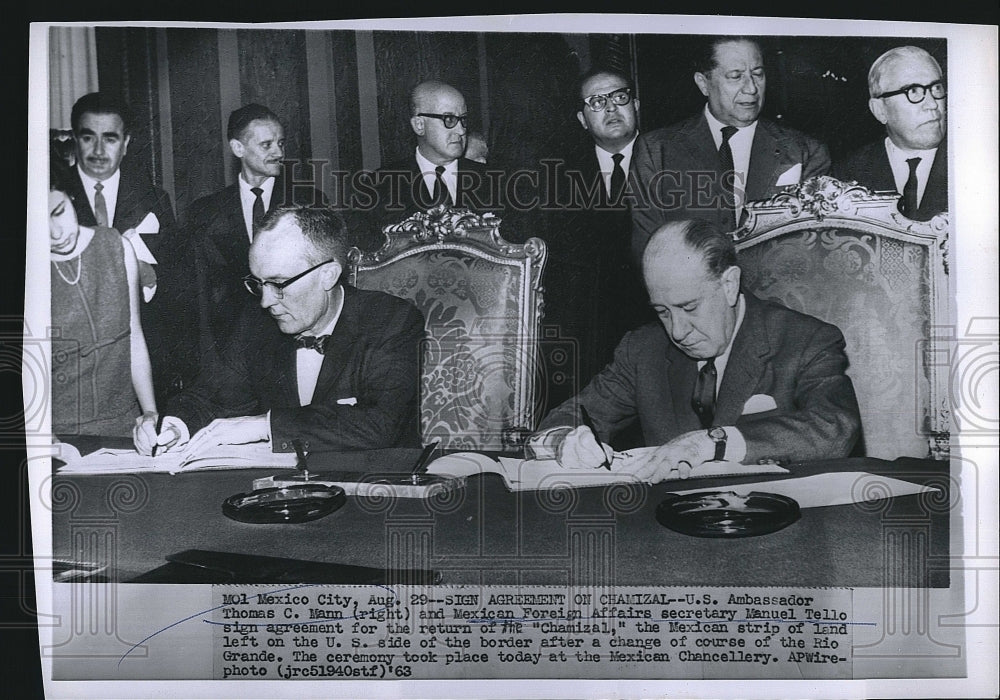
718 436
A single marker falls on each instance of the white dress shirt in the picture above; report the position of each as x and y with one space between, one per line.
740 144
428 171
110 192
308 362
247 198
607 165
901 170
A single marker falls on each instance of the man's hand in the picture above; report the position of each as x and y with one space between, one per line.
173 433
229 431
675 459
580 450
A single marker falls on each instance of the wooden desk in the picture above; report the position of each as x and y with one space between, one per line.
487 535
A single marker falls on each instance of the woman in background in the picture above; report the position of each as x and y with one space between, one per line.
97 340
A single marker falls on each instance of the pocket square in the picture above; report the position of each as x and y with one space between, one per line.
758 403
790 176
353 401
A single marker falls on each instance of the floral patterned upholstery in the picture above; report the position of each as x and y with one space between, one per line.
481 299
844 255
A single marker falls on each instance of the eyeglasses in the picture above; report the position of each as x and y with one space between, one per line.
597 103
256 286
916 93
450 120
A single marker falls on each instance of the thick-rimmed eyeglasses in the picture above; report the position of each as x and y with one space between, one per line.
450 120
256 286
916 93
620 97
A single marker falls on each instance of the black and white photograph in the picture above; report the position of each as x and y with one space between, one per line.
558 356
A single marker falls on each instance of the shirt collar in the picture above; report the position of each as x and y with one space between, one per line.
901 154
267 186
426 166
110 184
715 126
604 156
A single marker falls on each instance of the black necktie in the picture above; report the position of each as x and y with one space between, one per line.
703 400
258 207
908 204
100 206
440 195
313 342
617 179
727 176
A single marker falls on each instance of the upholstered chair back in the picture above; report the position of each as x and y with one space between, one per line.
846 255
482 301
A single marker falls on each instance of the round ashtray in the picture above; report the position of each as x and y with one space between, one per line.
288 504
727 513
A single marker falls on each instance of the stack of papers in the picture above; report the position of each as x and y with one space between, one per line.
533 475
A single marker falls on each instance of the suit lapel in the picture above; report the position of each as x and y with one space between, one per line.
342 341
681 374
745 366
230 231
765 159
696 139
84 212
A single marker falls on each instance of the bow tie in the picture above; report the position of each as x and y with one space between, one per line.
312 342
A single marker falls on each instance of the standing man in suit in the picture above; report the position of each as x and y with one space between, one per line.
908 95
337 369
711 164
220 226
437 173
106 194
592 293
724 375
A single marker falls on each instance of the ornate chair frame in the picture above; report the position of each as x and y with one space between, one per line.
444 228
825 202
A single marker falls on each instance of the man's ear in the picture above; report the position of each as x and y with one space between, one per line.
331 275
237 147
417 123
128 138
731 284
877 108
583 122
702 82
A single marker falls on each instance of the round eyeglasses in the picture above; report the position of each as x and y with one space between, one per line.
256 286
449 120
916 93
597 103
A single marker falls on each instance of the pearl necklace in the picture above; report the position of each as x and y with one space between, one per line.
79 269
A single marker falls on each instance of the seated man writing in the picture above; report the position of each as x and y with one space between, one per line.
338 369
723 376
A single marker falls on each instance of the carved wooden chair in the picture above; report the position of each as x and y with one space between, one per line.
482 300
839 252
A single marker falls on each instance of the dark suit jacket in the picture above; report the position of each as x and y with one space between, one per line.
396 191
666 163
217 258
137 196
373 356
869 166
593 293
795 359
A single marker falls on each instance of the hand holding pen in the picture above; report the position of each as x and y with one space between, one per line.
582 447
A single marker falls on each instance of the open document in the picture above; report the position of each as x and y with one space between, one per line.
118 461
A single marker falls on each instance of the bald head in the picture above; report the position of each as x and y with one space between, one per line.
693 282
438 143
